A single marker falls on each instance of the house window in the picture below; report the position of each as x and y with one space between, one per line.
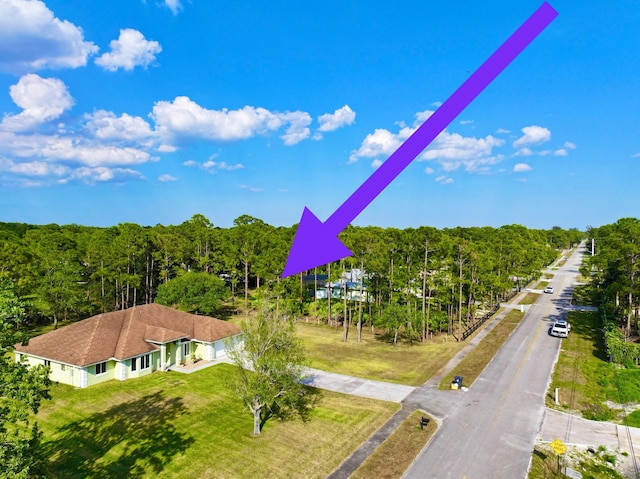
47 363
101 368
134 364
185 349
144 362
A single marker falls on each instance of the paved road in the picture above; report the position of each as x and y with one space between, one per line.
489 431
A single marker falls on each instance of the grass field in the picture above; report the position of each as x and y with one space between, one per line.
173 425
478 358
170 424
587 381
410 364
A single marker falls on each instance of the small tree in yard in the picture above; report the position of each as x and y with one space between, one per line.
392 319
21 391
270 378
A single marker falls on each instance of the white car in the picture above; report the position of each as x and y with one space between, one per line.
560 328
548 289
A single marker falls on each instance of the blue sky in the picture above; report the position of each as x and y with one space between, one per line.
152 111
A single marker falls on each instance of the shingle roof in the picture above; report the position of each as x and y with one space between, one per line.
124 334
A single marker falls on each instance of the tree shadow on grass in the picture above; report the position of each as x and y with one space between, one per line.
128 440
589 327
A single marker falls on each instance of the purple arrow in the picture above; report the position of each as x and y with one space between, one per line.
316 243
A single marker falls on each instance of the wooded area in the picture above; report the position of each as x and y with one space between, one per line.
440 277
614 272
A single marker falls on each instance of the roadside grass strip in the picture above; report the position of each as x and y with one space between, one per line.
474 363
530 298
172 425
397 452
588 384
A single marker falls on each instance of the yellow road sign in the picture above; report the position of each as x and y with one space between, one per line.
558 447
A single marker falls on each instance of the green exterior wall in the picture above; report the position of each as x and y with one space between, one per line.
121 370
93 378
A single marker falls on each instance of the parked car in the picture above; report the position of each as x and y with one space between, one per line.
561 328
548 289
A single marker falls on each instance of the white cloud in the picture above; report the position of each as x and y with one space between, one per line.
453 146
54 148
466 122
131 49
102 145
564 151
298 126
107 126
45 41
165 178
332 121
174 5
532 135
251 188
41 100
92 175
183 119
524 152
213 166
444 180
94 155
377 163
218 166
502 131
32 168
451 150
380 142
48 171
429 171
422 116
521 168
167 148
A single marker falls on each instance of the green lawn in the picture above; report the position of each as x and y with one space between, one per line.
371 358
585 378
173 425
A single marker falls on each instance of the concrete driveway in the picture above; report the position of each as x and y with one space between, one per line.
357 386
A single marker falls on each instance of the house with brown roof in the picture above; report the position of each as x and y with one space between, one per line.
127 344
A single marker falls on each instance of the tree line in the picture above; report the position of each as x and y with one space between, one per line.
440 277
614 272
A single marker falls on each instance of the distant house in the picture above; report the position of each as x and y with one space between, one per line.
351 281
126 344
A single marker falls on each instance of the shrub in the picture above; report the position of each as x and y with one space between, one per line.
598 412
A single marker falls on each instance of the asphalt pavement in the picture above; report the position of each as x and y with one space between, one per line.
481 435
